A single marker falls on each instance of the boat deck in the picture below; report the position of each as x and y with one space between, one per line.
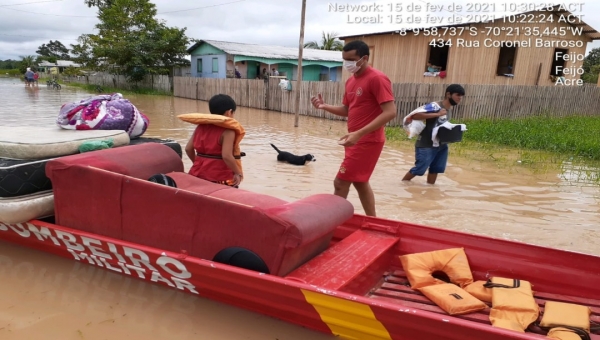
395 288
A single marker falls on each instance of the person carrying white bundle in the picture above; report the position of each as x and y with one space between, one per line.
431 156
414 127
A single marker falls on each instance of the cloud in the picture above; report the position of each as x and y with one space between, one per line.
267 22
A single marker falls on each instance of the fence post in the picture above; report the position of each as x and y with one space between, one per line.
268 82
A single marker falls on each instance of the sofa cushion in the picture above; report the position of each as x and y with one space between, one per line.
115 199
83 200
191 183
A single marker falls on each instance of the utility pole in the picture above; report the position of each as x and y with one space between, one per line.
300 49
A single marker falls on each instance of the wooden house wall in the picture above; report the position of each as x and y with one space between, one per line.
404 58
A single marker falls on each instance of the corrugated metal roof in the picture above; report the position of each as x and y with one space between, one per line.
271 52
46 63
587 29
66 63
60 63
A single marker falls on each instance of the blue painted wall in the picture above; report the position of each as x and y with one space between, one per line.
207 66
332 72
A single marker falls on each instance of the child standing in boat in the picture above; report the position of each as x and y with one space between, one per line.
214 146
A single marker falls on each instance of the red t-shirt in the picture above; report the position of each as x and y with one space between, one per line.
363 97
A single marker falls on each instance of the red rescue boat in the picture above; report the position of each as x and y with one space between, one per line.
312 262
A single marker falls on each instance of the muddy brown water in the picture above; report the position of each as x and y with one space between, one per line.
46 297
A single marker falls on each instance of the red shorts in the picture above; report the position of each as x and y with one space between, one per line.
360 161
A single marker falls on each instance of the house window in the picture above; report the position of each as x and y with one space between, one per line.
558 63
199 65
506 60
438 56
215 65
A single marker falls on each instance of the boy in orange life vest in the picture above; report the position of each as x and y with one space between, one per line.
211 147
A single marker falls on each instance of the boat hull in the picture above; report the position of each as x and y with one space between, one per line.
345 315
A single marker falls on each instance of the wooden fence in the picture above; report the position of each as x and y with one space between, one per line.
480 101
154 82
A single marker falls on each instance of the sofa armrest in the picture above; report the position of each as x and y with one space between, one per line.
312 216
140 161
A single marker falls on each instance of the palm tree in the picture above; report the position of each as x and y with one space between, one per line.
26 61
329 41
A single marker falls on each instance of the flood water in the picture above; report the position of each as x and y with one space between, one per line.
45 297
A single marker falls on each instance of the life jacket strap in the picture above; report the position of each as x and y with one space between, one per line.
490 284
579 331
242 154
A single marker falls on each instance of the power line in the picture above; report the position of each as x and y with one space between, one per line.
56 15
29 3
93 16
191 9
31 36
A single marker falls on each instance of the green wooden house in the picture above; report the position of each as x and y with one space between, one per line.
219 59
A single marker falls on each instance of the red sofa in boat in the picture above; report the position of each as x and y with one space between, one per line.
107 193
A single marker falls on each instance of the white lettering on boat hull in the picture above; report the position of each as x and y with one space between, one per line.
118 258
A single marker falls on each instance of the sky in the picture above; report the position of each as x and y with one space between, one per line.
27 24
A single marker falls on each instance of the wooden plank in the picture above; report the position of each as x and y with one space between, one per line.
398 281
476 317
481 101
407 297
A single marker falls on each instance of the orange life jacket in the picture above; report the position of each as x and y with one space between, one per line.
513 305
224 122
566 320
453 262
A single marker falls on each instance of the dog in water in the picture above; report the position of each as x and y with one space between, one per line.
284 156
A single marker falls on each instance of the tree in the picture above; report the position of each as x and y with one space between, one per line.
72 71
329 41
132 40
54 49
9 64
592 76
101 4
83 52
26 61
591 66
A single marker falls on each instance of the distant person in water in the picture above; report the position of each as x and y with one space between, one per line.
29 77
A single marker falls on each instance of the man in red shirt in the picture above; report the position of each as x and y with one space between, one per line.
369 104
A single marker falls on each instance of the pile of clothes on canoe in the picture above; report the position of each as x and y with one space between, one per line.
93 123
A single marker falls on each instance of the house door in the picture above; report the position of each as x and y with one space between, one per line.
251 66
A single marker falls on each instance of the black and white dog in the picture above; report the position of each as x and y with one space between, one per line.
284 156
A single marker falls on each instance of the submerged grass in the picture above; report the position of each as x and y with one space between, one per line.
569 145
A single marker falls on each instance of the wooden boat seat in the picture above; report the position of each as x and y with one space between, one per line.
395 288
107 192
352 265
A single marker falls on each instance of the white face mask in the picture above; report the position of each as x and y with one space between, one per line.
350 65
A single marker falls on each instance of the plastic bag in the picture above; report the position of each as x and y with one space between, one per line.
285 85
414 128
